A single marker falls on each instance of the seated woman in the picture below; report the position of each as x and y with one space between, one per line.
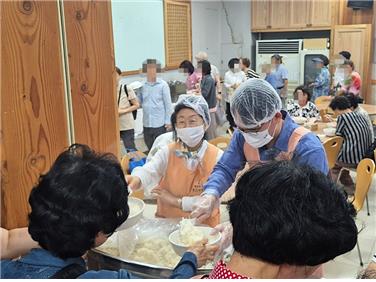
304 107
76 206
357 138
178 171
287 220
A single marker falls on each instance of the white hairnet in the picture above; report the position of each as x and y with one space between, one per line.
196 103
254 103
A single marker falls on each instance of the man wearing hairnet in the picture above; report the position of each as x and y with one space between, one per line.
265 132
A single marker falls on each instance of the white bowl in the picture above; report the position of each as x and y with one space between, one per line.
330 131
134 215
181 248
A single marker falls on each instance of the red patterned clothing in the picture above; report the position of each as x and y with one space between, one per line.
220 271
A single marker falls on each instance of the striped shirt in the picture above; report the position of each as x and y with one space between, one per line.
354 129
252 74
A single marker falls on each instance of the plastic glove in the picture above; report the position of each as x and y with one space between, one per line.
226 231
134 182
188 202
203 208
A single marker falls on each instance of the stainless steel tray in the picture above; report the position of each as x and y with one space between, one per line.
100 260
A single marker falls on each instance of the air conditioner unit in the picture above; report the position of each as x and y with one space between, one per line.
290 52
297 60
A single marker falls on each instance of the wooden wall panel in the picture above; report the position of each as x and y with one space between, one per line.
350 16
33 115
88 26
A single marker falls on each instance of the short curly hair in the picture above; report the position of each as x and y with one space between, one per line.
82 194
286 213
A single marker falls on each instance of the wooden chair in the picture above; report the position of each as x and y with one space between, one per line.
221 142
364 174
125 166
322 99
332 147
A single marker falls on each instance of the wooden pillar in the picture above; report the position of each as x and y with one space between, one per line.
33 112
88 26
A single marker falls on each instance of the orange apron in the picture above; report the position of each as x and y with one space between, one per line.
182 182
252 154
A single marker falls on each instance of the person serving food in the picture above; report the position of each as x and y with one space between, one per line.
265 133
177 172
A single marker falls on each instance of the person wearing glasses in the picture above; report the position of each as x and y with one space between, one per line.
176 173
264 132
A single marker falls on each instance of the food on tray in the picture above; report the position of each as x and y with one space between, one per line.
190 234
155 251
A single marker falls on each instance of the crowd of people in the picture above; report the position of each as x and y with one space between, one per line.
288 215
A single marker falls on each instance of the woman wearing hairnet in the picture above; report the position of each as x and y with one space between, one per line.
175 175
265 132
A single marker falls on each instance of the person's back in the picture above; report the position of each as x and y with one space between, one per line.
354 129
208 90
287 220
76 206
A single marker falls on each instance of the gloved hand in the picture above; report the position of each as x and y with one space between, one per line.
203 208
134 182
188 202
226 230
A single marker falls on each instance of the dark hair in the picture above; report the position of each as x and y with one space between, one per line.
284 213
345 54
305 90
246 62
187 65
177 109
82 194
151 62
354 100
349 63
232 62
277 57
340 103
206 68
324 59
118 70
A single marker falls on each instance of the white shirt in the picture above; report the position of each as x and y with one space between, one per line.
161 141
153 171
232 78
126 121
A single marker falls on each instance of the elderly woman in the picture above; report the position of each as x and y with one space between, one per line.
279 198
303 107
177 172
75 207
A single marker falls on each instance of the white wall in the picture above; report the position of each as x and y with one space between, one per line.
235 31
221 36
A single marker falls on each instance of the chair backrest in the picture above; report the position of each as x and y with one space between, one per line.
364 175
332 147
221 142
322 99
125 167
125 160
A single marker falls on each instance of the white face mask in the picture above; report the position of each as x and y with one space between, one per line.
258 139
191 136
